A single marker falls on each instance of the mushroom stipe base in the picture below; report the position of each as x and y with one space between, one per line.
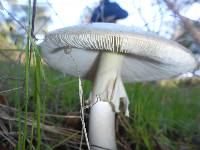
102 113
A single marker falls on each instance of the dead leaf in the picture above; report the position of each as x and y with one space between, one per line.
2 100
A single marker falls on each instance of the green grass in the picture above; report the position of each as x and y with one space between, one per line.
165 117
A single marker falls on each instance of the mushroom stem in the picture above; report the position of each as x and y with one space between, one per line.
102 113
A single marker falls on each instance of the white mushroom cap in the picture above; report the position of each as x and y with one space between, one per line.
147 57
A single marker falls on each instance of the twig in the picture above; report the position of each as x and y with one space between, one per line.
33 19
98 98
13 89
9 133
82 112
10 49
48 128
1 6
188 24
50 5
161 13
81 142
81 103
16 20
7 137
61 116
8 108
143 19
63 141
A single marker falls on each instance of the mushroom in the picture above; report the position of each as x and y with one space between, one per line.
111 54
